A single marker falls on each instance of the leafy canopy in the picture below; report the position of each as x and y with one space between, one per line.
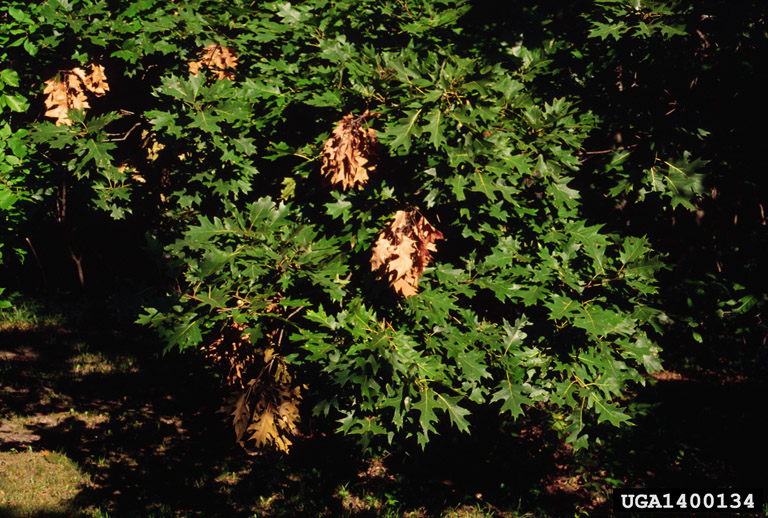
307 165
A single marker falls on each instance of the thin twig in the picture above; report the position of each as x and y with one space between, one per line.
125 135
590 154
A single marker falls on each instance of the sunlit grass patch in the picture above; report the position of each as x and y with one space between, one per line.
26 314
32 483
24 430
477 511
87 362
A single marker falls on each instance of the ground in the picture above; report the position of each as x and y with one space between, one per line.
96 424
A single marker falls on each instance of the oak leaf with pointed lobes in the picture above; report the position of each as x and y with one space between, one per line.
218 59
266 412
275 423
351 154
403 250
71 92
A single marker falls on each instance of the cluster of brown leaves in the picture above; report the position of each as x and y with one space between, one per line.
69 91
265 406
233 353
351 154
403 250
218 59
267 411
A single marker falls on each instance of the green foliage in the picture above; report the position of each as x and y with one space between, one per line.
16 26
536 296
471 142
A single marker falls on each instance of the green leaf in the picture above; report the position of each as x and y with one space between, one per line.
256 88
160 119
608 411
574 428
57 137
562 193
513 398
644 352
213 261
19 15
600 322
326 99
472 364
434 303
15 102
185 90
185 334
684 183
7 198
337 208
434 127
207 229
426 406
400 135
562 307
603 30
633 249
9 77
594 242
514 335
99 152
681 183
456 414
207 121
289 14
245 145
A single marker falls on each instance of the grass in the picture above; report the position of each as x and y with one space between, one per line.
26 314
134 435
35 483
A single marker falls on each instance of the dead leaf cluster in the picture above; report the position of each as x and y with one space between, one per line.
351 154
266 413
69 91
217 59
265 405
403 250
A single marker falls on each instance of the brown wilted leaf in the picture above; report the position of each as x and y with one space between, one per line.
96 81
218 59
351 154
241 413
67 91
403 250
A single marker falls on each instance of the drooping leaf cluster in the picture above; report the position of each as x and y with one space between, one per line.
350 155
70 92
403 250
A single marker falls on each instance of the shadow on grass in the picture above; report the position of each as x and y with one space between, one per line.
148 438
148 435
146 432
